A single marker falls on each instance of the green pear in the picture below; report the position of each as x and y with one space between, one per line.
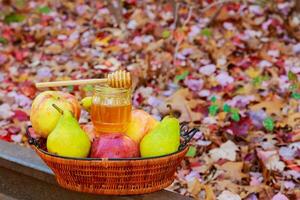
67 138
163 139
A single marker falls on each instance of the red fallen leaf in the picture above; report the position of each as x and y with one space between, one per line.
32 133
45 20
237 40
148 28
13 129
29 38
10 86
107 63
195 164
229 88
7 33
284 136
233 6
127 15
131 1
244 64
201 109
20 115
28 89
276 22
76 88
179 35
213 127
20 55
280 63
140 98
240 128
45 57
250 157
240 78
294 167
102 35
6 137
221 161
100 23
295 136
254 60
167 7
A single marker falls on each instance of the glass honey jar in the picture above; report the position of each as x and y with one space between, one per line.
111 109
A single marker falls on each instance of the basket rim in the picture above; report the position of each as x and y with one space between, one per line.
111 159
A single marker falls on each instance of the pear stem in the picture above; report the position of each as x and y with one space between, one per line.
171 110
58 109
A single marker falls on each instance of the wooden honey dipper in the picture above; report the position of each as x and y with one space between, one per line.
118 79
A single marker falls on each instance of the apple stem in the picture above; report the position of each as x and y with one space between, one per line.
171 110
58 109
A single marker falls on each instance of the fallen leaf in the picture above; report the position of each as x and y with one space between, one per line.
271 160
14 17
139 18
5 111
279 196
270 106
44 10
154 46
196 187
226 195
182 102
242 190
233 170
191 152
28 89
53 49
227 151
240 128
20 115
294 121
181 76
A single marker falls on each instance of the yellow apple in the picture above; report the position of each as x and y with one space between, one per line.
44 116
141 123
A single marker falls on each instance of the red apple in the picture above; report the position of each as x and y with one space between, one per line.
114 145
44 116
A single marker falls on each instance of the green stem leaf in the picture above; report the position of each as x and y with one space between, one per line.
181 76
213 110
3 40
14 17
296 95
191 152
58 109
268 124
44 10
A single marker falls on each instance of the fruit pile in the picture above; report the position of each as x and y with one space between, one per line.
54 115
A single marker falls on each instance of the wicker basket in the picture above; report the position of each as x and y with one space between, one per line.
115 176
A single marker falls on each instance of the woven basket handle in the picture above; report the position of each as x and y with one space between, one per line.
33 141
187 134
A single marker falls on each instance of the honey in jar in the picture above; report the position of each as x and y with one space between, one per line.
111 109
